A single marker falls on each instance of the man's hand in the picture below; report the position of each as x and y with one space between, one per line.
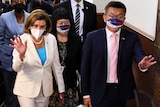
87 102
146 62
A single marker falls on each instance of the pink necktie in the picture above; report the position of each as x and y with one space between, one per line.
113 59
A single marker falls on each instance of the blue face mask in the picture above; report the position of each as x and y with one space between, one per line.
114 23
63 28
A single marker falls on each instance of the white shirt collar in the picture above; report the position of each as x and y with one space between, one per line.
74 3
109 33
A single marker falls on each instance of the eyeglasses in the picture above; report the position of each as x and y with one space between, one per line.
120 17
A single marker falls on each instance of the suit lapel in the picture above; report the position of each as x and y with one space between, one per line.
85 10
14 23
69 9
47 49
32 49
104 38
104 44
122 41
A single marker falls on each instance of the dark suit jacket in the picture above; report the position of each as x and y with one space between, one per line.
90 19
57 1
45 5
94 64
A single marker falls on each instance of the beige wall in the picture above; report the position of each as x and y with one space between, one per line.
100 4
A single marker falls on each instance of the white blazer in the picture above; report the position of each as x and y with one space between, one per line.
31 74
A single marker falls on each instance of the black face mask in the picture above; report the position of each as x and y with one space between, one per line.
19 7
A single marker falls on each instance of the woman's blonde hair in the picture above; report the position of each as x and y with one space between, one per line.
38 14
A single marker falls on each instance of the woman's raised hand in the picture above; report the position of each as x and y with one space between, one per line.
19 46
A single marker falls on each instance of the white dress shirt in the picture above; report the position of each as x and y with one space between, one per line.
81 7
109 42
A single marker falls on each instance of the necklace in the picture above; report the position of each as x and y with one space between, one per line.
37 43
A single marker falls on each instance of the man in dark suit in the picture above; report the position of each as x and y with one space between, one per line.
40 4
98 87
88 20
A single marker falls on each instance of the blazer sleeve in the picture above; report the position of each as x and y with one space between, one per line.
17 64
2 30
138 50
85 66
57 69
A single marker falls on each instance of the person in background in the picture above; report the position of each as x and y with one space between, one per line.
2 7
107 80
35 56
88 18
69 48
54 2
40 4
57 1
2 92
35 4
11 23
85 21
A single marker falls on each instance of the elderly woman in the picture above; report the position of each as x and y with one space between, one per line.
35 56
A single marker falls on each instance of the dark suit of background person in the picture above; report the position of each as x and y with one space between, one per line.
94 64
2 7
89 10
10 24
35 4
59 1
40 4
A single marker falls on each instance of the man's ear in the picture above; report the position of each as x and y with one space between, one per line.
124 18
104 18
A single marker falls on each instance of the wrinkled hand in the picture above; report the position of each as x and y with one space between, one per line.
19 46
146 62
61 97
87 102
